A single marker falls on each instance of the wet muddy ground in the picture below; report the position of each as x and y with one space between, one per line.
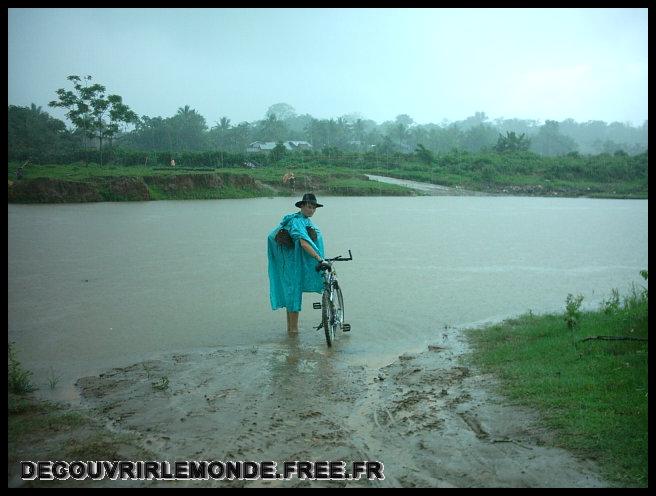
429 418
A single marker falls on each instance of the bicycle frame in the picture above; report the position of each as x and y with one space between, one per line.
330 275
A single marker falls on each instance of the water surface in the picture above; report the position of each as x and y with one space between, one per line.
99 285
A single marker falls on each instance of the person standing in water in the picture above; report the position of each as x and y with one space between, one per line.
294 247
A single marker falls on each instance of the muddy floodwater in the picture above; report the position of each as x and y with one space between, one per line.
110 297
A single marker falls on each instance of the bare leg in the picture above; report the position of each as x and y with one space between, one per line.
292 322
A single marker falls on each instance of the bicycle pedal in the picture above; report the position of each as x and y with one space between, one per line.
346 327
316 306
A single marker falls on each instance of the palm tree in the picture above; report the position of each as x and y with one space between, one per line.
401 130
36 110
190 126
358 130
185 111
224 124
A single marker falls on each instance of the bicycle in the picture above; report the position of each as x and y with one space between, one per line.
332 301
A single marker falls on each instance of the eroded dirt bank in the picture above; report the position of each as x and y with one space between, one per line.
97 189
431 420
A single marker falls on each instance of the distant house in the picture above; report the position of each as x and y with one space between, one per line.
260 146
298 145
267 146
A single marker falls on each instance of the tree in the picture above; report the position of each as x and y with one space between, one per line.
220 134
297 125
549 141
342 131
279 151
511 142
404 119
326 132
426 156
271 129
386 147
150 134
417 135
241 136
358 130
89 109
224 123
282 111
188 130
33 134
400 130
443 140
120 116
477 119
479 137
313 133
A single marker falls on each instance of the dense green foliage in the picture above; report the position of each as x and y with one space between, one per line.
100 120
34 134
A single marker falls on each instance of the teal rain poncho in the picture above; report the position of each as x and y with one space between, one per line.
292 270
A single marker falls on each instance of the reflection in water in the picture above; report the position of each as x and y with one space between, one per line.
293 350
296 369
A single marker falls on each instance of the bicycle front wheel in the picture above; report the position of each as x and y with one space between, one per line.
328 317
338 302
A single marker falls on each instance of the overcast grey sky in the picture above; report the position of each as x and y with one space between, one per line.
432 64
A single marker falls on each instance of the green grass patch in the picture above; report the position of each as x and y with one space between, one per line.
18 379
346 177
593 392
44 430
28 416
364 187
225 192
77 172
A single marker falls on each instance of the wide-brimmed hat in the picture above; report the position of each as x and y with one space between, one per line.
308 198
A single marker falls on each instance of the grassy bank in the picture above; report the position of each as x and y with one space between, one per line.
339 178
80 183
42 430
593 392
519 184
39 430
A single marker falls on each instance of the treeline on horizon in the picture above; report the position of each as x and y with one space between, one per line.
35 135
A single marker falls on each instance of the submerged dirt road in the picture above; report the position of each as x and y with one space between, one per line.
430 420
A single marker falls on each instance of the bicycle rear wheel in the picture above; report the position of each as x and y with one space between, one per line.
328 317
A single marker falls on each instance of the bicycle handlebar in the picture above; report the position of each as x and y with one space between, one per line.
339 258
